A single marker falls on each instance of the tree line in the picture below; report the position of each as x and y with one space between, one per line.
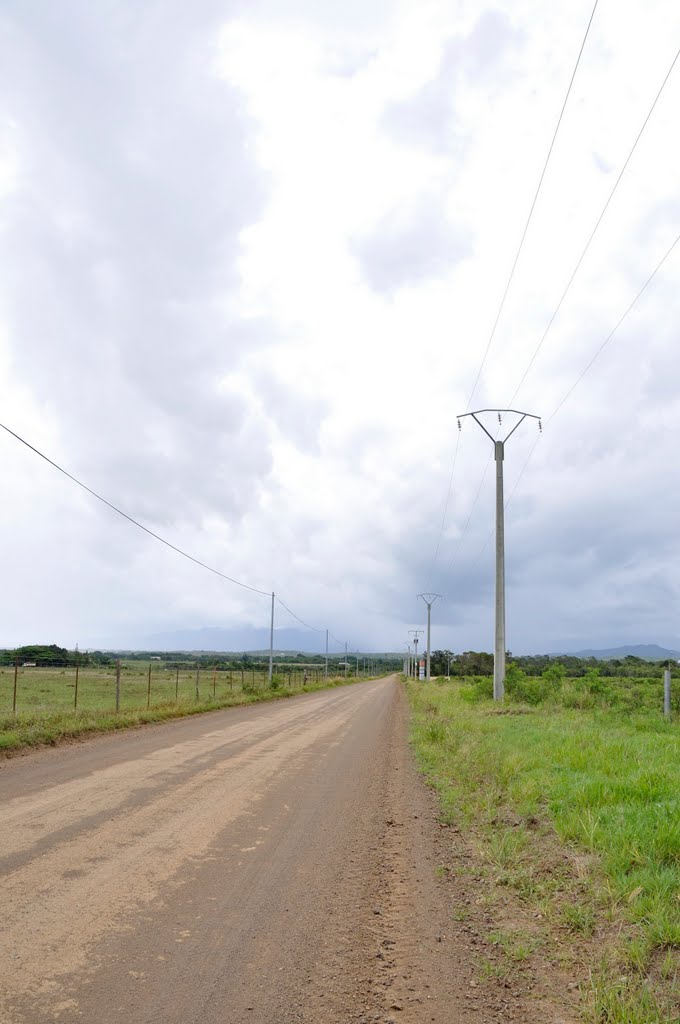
480 663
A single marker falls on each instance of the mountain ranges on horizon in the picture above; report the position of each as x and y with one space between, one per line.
648 652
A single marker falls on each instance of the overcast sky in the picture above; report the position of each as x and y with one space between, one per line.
251 254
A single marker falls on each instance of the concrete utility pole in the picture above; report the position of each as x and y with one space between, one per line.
415 633
499 451
429 600
667 692
407 661
271 644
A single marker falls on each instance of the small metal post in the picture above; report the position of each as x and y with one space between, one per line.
214 682
667 693
14 695
118 684
176 684
148 689
198 669
75 693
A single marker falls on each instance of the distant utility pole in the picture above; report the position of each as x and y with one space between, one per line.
407 660
499 450
346 662
271 644
325 671
415 633
429 600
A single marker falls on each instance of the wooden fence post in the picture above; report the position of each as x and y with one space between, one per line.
148 689
14 695
118 684
75 695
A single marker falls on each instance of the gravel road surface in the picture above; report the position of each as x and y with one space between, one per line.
267 864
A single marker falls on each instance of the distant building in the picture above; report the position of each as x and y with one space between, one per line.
28 664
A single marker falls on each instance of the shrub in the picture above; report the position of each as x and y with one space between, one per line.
525 690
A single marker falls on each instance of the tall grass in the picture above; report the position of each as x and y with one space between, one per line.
607 784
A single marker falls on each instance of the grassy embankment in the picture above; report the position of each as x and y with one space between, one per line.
594 780
46 715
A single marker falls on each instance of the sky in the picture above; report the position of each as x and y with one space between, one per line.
251 257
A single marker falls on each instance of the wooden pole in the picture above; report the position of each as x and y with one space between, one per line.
14 695
118 685
148 689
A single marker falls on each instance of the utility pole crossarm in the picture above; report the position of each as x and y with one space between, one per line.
415 633
429 600
499 452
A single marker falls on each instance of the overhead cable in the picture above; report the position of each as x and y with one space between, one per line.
130 519
301 621
599 351
533 205
511 276
594 230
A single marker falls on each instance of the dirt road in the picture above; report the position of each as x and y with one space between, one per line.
267 864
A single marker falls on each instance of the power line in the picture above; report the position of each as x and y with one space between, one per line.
301 621
130 519
599 351
611 334
533 204
156 536
594 230
511 276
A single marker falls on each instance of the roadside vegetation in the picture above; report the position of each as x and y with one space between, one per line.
46 712
569 793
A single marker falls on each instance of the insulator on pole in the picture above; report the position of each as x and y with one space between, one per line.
540 427
499 418
460 425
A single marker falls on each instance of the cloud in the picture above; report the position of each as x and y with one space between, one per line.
409 246
250 257
431 116
121 251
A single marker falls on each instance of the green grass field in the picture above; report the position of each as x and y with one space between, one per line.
603 784
54 689
46 710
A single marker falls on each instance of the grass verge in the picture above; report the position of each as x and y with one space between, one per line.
32 729
577 814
